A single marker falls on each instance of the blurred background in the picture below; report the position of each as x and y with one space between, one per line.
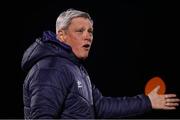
133 42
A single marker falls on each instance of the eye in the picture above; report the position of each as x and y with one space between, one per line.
90 31
80 30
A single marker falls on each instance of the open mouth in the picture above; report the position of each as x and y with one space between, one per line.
86 46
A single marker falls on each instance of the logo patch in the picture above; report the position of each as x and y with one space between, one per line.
79 84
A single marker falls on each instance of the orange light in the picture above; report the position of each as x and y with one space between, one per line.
154 82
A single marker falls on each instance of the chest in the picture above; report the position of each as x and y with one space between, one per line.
82 84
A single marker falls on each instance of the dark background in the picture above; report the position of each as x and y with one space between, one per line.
133 42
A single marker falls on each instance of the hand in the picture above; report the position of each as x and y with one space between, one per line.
165 102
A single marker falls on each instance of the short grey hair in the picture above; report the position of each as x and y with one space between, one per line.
64 19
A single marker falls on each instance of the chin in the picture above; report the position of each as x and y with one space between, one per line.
83 57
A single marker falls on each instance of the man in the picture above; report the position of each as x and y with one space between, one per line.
58 86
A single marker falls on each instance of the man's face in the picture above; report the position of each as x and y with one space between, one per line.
79 36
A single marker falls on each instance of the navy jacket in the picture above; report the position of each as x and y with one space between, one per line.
58 86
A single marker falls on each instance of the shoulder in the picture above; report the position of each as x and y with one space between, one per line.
51 72
53 62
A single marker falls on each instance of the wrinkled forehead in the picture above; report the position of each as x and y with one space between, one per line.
81 21
83 17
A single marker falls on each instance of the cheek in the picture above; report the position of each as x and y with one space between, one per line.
76 41
76 45
71 40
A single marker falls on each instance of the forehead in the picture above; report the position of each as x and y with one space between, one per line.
81 21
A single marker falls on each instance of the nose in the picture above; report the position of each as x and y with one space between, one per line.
88 36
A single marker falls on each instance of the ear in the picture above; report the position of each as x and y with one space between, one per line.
61 35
